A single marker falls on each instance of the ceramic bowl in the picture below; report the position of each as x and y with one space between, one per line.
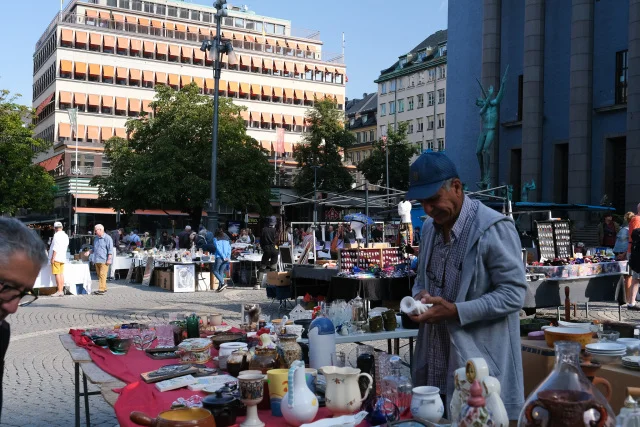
604 359
119 346
632 344
581 336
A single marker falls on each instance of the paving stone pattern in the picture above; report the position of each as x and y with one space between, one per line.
39 380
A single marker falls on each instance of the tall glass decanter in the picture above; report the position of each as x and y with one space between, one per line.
396 387
566 398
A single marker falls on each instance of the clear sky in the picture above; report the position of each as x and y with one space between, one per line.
376 33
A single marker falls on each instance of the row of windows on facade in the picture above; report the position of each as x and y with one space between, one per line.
195 15
411 102
365 136
360 155
419 124
410 81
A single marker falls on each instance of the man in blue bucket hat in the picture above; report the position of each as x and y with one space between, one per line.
470 268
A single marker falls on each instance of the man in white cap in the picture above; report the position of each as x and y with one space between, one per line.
58 256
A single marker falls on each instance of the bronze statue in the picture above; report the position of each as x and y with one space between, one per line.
489 114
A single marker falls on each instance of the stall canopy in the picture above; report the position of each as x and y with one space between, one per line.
522 207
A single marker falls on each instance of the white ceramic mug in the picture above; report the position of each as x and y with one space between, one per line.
426 403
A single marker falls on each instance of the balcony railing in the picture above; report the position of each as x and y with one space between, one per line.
182 36
82 171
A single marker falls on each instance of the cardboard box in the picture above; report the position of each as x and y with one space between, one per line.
279 278
165 280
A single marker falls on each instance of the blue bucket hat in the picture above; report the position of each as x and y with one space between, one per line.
428 173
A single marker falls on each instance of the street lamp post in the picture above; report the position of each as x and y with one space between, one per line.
315 193
386 152
217 47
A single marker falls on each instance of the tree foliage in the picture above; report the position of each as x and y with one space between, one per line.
322 146
401 151
23 184
166 162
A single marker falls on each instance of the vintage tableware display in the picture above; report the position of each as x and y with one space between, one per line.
278 381
344 420
305 323
475 412
185 417
102 340
632 344
606 352
195 350
629 415
631 362
144 340
164 334
299 405
426 403
460 394
581 336
264 359
566 397
397 387
342 395
322 342
291 350
381 411
226 337
251 393
338 359
119 346
590 367
226 349
493 402
340 314
389 320
294 330
413 307
237 362
215 319
224 408
375 323
358 315
608 336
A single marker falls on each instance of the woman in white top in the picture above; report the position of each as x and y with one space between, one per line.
622 238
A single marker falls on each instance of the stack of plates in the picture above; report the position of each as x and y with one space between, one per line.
631 362
606 352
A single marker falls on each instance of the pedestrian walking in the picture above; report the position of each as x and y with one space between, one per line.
102 257
58 257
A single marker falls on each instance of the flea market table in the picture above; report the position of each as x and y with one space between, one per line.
77 277
370 288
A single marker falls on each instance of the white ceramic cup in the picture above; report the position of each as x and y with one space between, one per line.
294 329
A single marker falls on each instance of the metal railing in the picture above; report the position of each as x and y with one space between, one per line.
165 34
82 171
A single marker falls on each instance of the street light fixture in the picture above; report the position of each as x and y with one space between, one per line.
217 46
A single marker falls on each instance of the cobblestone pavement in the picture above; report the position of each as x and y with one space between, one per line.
38 381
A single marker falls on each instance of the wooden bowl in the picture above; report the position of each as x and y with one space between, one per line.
581 336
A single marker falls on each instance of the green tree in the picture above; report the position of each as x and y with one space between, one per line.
322 146
166 162
23 184
374 167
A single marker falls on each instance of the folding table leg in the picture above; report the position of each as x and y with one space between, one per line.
86 400
411 352
389 346
396 345
77 389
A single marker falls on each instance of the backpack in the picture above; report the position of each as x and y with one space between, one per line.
200 241
634 260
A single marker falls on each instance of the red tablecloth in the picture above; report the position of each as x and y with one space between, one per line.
140 396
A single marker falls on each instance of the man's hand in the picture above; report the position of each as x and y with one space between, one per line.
108 261
440 311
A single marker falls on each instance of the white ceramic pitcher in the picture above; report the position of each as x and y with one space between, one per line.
342 396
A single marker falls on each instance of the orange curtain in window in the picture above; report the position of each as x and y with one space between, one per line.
156 24
209 84
134 74
266 145
288 119
81 68
91 13
121 104
279 65
146 106
233 87
271 42
244 88
266 117
147 76
278 92
267 64
187 52
311 48
107 101
299 93
255 89
302 46
64 130
174 50
161 77
162 48
330 70
67 36
107 133
260 40
144 22
94 69
245 60
266 90
94 100
340 99
244 114
288 93
288 67
185 80
81 99
277 118
109 42
95 39
105 15
118 18
193 30
308 95
121 133
81 132
248 38
180 27
134 105
123 43
199 81
198 54
299 120
65 66
136 45
132 19
64 97
174 80
81 37
93 132
288 147
149 47
121 73
222 86
169 26
281 43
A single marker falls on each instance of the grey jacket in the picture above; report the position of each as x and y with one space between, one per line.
491 294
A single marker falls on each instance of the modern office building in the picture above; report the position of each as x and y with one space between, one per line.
569 117
362 123
413 90
104 57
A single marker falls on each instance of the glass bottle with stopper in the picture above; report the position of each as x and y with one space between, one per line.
396 387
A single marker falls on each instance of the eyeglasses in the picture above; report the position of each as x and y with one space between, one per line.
9 293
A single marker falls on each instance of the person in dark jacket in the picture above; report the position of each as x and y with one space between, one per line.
22 255
184 238
268 240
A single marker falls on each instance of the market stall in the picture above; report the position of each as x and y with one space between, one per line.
77 277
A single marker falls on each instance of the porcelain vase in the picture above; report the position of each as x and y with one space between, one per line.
426 404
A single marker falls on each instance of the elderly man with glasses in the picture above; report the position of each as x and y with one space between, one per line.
22 255
470 268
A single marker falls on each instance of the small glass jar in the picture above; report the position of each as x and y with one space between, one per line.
264 359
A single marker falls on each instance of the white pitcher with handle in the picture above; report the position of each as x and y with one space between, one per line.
342 396
299 405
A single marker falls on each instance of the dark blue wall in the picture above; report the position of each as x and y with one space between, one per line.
464 60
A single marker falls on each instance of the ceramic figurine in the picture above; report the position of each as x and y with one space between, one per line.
475 413
491 390
477 369
411 306
266 341
629 414
299 405
460 394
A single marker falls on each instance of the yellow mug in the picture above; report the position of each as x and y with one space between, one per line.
278 386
